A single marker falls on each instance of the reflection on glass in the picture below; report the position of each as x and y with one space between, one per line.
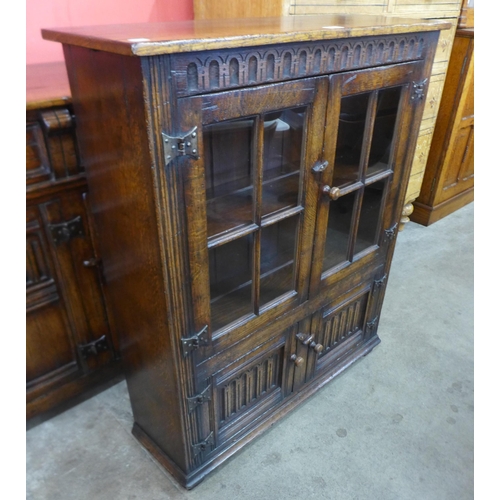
340 218
283 132
383 130
228 174
353 110
277 258
370 216
231 281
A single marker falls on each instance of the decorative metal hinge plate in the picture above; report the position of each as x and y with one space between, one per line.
370 325
418 90
175 146
203 445
198 339
65 231
94 347
199 399
378 283
390 233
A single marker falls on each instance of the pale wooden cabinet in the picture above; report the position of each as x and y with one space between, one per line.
449 176
448 10
246 180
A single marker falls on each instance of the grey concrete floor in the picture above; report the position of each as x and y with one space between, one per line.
397 425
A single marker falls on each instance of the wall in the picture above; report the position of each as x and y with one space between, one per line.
65 13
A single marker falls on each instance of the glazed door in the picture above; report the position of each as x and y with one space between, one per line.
368 157
250 202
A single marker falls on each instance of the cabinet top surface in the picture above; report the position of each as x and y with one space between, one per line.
46 85
148 39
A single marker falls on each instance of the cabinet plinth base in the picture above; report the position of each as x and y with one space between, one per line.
426 215
190 480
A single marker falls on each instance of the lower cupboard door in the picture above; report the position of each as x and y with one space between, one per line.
345 327
246 390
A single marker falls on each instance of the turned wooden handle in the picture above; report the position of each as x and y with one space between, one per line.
297 360
316 347
332 192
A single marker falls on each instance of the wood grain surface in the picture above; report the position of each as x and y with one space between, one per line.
47 85
165 38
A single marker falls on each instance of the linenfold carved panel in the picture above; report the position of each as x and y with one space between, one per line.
40 285
37 269
342 323
249 386
200 72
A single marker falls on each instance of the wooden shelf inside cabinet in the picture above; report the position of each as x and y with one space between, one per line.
449 175
70 349
244 271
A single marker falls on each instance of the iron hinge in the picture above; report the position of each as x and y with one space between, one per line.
370 325
175 146
92 349
191 343
390 233
199 399
418 90
203 445
66 231
378 283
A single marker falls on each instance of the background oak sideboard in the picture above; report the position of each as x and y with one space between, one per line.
69 344
446 10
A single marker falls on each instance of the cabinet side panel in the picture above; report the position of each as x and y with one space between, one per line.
112 132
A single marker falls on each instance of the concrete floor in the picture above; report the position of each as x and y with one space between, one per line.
397 425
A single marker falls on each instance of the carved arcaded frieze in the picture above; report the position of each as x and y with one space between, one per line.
200 72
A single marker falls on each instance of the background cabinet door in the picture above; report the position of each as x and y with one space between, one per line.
366 145
250 204
66 314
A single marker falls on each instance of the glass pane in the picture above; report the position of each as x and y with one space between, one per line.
283 132
350 135
338 231
228 174
231 281
383 130
277 259
369 218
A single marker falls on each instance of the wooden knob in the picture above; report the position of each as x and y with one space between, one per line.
332 192
317 347
297 360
